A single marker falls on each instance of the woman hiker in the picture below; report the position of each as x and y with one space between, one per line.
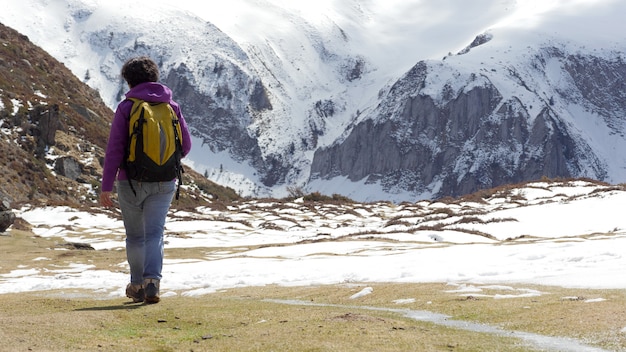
144 205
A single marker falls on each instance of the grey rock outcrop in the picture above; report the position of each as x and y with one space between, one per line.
463 139
45 125
68 167
222 122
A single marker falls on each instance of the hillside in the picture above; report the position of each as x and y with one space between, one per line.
49 120
54 131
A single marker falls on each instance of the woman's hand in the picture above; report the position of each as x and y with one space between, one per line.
105 199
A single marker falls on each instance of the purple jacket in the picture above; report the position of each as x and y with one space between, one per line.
118 137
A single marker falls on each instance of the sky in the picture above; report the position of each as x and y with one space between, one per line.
394 34
415 29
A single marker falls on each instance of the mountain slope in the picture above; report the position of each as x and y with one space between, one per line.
450 128
52 124
323 97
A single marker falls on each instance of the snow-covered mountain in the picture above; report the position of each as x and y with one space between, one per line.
401 101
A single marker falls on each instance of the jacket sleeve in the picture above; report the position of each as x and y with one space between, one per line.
116 147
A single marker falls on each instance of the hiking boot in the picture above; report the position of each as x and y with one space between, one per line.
151 288
136 292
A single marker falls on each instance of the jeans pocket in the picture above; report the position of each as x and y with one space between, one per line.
167 187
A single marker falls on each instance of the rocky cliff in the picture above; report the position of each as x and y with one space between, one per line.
429 135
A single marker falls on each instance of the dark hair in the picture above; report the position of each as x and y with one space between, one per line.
139 70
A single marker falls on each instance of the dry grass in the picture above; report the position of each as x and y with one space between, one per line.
222 322
244 320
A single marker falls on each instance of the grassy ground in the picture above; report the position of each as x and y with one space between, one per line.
247 319
244 320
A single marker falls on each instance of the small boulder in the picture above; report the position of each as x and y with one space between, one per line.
7 217
68 167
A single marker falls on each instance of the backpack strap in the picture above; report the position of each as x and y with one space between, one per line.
179 151
136 130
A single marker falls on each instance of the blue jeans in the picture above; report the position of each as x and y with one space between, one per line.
144 219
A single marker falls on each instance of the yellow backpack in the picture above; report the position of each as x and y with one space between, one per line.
154 146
